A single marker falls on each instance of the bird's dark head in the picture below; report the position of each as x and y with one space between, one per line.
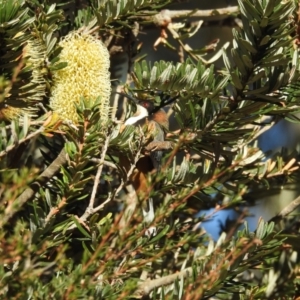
154 105
152 109
148 104
144 109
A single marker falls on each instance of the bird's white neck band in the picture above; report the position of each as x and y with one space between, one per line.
141 113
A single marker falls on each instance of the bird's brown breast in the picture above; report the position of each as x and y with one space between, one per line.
161 118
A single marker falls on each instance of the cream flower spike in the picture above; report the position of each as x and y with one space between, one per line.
86 75
33 91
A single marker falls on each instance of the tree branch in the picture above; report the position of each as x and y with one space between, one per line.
112 195
205 13
91 210
212 14
148 286
287 210
60 160
28 137
99 172
106 163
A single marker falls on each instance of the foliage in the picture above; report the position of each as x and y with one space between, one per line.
71 227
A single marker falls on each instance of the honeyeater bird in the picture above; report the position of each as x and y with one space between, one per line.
156 120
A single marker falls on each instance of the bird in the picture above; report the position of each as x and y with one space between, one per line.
156 120
157 124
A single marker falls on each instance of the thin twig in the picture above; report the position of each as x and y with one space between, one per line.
54 210
184 46
98 174
217 13
212 123
21 141
60 160
258 131
91 210
287 210
131 202
112 195
148 286
106 163
131 199
181 54
116 103
204 13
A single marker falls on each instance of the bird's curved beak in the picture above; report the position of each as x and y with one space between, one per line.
133 99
